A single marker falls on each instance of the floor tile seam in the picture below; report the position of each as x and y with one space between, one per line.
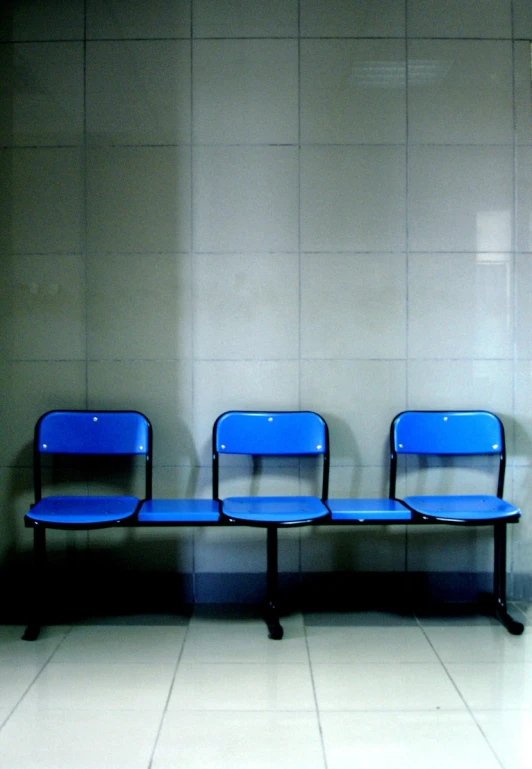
43 665
516 608
250 709
315 698
381 663
463 699
168 698
388 710
522 663
106 663
66 633
290 711
272 663
35 711
364 662
486 738
445 668
478 709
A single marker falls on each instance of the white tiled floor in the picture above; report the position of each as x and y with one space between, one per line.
365 690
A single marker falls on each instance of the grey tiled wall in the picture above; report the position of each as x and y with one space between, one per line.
319 204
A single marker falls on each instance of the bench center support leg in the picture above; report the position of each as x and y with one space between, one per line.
275 630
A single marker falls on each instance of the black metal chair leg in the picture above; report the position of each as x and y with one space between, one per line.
37 587
499 582
275 630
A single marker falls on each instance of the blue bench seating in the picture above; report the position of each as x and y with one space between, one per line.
262 434
280 434
173 512
455 434
82 434
368 511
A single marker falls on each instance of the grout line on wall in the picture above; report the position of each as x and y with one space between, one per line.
84 246
407 247
193 271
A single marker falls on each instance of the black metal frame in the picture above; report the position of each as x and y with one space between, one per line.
271 600
39 529
497 602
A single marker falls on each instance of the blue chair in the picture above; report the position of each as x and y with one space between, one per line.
460 433
83 434
271 433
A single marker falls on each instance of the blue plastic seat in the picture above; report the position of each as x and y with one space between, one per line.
279 511
82 434
270 433
368 510
82 512
173 512
460 433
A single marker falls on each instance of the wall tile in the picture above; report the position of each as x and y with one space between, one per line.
43 301
41 99
118 20
445 475
365 18
522 19
520 540
245 199
259 258
353 306
16 496
138 92
458 201
459 18
367 549
353 91
460 92
41 201
523 413
359 481
353 198
523 287
460 306
224 385
47 20
138 199
237 18
162 390
175 482
139 306
137 550
450 548
246 307
61 385
523 91
358 399
266 477
461 384
240 550
524 198
245 92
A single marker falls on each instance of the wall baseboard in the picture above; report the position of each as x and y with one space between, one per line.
116 592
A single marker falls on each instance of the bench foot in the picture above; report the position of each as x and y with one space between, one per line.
31 633
512 626
271 616
493 607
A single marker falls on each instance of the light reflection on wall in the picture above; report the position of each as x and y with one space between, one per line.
493 280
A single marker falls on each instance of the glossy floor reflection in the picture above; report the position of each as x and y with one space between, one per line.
371 690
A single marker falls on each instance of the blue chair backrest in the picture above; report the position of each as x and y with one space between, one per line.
447 432
270 432
93 432
273 433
